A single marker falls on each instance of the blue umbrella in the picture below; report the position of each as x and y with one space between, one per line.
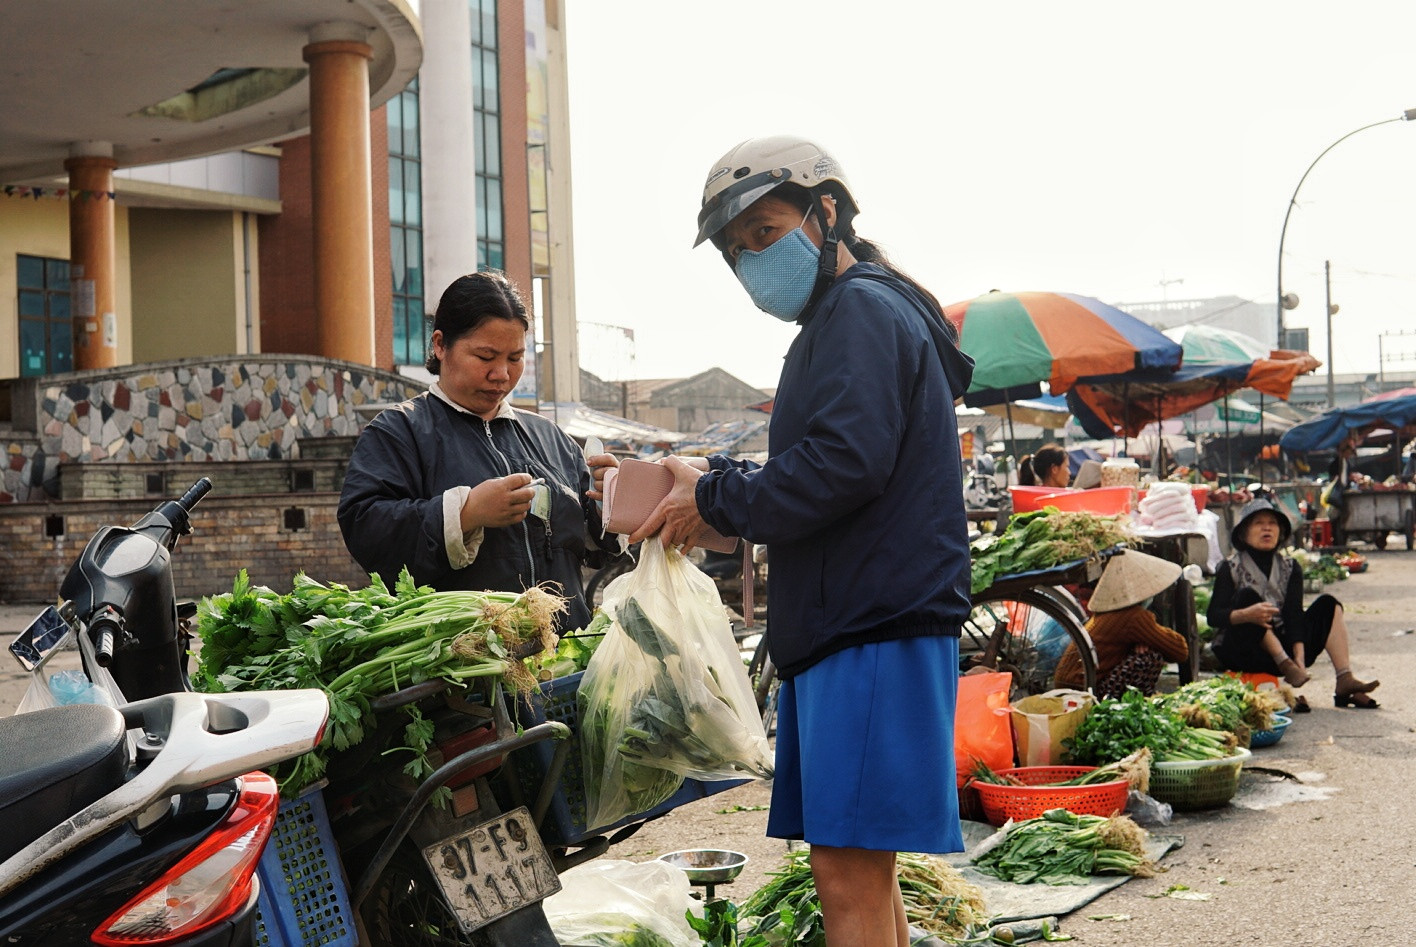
1396 410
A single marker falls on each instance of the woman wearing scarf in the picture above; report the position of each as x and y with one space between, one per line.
1258 616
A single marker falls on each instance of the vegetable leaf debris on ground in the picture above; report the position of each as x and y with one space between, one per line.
357 645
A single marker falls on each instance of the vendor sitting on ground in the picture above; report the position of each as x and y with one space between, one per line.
1258 616
1132 648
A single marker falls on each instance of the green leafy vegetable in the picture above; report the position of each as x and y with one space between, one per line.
356 645
1040 540
1064 848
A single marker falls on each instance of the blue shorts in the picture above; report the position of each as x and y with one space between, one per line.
865 749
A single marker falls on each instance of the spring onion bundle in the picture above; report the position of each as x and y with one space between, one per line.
1116 727
1062 848
788 911
356 645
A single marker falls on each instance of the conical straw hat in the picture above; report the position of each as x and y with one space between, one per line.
1130 578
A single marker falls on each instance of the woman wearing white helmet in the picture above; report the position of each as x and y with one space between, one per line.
861 504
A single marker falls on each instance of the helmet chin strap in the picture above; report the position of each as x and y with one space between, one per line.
826 263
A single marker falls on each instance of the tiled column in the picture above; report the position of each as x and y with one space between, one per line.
340 191
92 257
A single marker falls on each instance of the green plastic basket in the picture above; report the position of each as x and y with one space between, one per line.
1198 784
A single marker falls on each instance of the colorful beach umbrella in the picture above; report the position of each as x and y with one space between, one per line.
1216 363
1019 339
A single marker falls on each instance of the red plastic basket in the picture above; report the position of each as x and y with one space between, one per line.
1001 803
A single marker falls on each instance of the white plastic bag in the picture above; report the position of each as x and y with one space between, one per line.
666 694
600 900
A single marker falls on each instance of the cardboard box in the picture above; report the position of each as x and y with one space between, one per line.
1043 721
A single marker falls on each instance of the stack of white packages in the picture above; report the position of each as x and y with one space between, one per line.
1168 507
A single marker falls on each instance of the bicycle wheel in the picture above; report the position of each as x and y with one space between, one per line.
1025 633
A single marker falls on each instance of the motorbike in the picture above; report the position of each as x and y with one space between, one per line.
137 821
470 872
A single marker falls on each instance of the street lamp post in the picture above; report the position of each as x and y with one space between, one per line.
1292 302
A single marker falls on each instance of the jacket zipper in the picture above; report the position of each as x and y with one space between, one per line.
525 530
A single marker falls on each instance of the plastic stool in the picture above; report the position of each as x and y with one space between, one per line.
1255 678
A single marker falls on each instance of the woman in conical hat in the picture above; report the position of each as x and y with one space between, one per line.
1132 648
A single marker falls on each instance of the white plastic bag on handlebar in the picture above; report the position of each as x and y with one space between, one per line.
666 694
51 687
600 902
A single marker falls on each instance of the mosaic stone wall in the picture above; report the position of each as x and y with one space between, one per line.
240 408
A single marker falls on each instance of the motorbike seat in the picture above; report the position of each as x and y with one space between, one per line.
56 762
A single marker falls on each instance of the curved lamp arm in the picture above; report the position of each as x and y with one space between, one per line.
1405 116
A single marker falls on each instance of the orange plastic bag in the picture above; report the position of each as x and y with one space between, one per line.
983 729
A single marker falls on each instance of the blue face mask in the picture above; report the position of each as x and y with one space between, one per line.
780 278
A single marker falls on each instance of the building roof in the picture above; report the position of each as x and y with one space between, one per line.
163 80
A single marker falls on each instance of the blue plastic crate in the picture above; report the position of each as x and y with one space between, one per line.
565 819
304 898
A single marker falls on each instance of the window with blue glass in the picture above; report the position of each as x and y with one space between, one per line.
486 129
46 329
411 325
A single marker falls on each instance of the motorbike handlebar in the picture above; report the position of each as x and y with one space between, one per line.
194 494
103 652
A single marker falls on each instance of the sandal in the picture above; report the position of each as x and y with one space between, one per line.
1356 699
1300 705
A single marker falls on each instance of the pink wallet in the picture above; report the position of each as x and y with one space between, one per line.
634 489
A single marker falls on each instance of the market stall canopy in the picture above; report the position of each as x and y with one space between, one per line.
1216 362
1393 409
581 421
1045 411
1020 339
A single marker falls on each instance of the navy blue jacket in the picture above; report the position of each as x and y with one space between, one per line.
861 499
391 507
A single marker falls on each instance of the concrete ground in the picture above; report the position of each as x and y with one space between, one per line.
1330 866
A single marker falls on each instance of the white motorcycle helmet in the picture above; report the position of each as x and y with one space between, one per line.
753 168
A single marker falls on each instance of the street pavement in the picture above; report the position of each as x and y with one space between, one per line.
1330 867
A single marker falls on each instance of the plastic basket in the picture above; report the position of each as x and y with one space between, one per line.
1001 803
1198 784
304 899
1103 501
1261 738
565 819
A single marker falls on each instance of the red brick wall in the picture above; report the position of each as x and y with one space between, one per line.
511 42
287 259
287 253
227 533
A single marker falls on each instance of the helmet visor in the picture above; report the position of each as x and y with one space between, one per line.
721 209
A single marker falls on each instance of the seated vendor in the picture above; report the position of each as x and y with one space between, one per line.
1258 616
1049 467
1132 648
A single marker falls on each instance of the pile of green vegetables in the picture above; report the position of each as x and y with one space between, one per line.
1116 727
787 910
356 645
1041 540
1223 703
1064 848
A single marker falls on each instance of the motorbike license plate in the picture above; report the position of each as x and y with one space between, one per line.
493 869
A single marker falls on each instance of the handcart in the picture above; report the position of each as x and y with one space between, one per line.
1375 514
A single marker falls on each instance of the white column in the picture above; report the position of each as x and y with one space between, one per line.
565 354
448 142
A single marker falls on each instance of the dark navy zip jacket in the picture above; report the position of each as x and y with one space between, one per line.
861 500
391 507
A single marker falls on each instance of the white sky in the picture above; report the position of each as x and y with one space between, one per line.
1092 147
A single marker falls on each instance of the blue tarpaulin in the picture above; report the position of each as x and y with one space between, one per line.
1395 410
